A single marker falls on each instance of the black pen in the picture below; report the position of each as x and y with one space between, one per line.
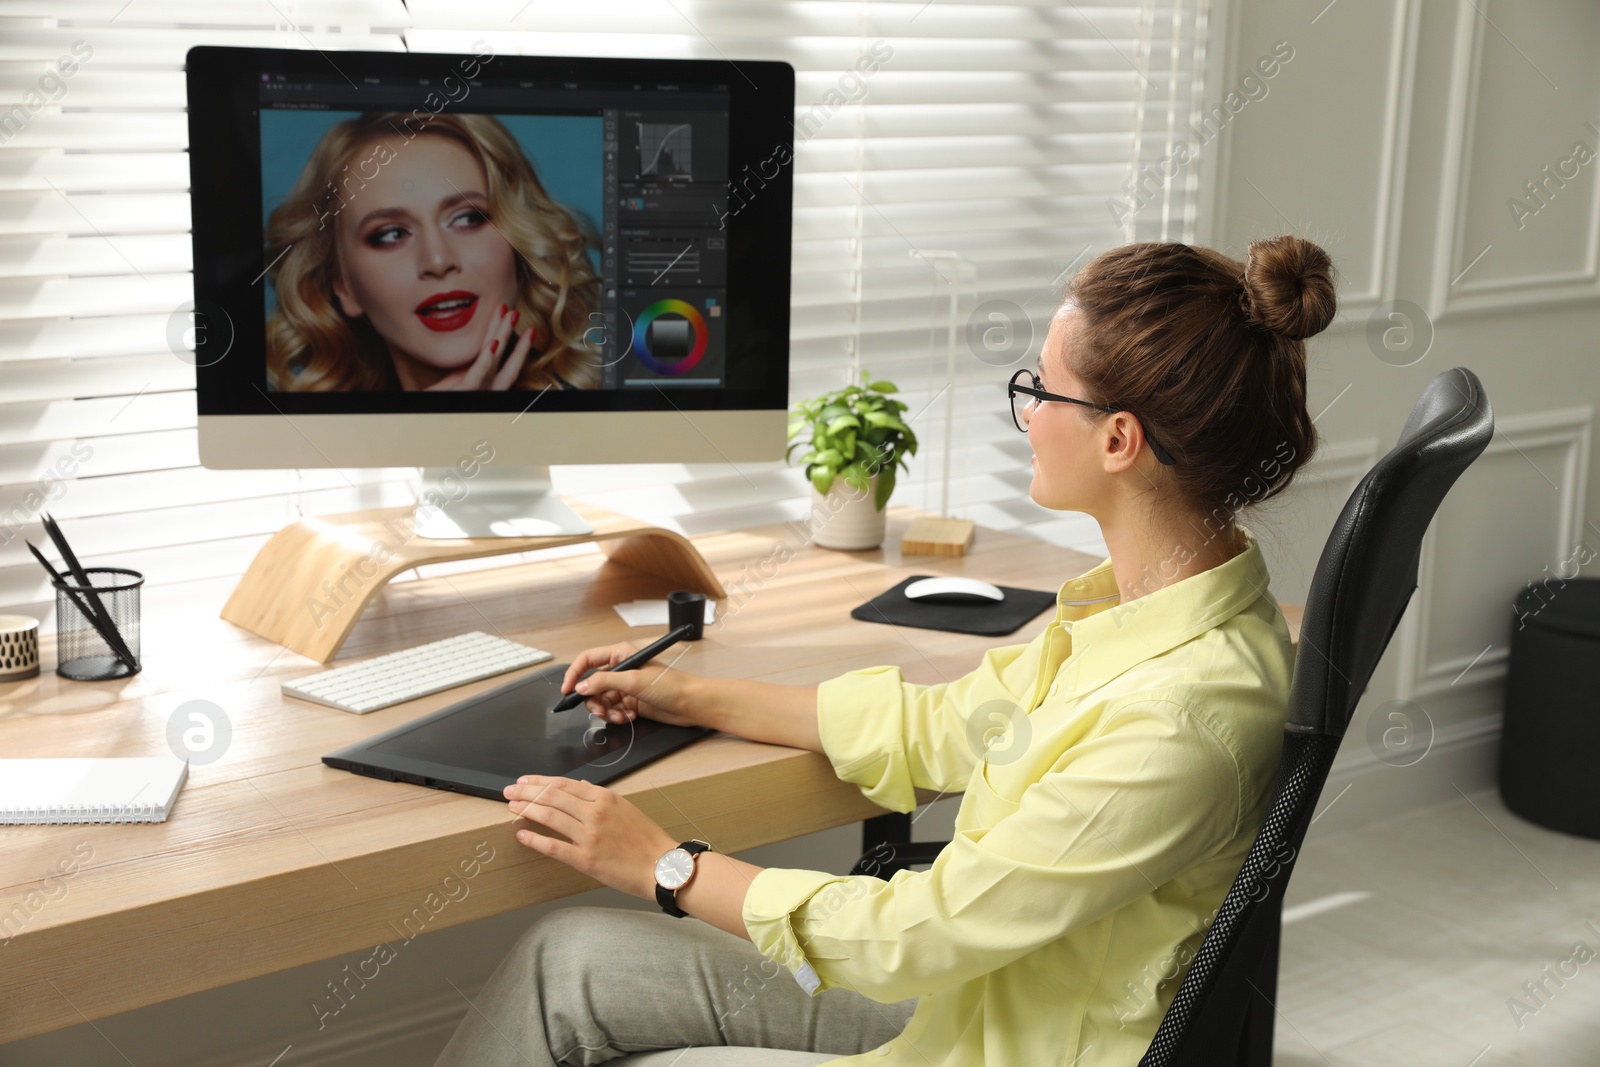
106 629
638 659
98 614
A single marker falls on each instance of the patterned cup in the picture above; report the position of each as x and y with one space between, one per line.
19 647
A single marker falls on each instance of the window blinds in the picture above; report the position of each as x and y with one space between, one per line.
966 151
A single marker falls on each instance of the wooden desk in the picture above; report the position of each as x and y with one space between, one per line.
271 859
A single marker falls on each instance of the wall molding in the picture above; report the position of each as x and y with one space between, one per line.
1447 297
1361 789
1568 429
1356 761
1354 305
1396 138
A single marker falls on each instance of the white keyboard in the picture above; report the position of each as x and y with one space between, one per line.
415 672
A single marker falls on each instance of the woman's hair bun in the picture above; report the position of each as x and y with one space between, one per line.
1288 286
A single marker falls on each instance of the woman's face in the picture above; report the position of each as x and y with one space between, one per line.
1068 471
418 256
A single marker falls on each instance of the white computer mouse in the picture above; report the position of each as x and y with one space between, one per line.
954 591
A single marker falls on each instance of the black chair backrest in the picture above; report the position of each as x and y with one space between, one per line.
1364 579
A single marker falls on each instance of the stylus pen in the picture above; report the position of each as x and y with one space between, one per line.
638 659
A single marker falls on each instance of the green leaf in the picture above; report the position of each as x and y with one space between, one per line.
885 487
855 433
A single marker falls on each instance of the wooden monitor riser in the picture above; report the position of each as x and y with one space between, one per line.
310 583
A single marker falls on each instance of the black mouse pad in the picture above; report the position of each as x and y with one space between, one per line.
987 619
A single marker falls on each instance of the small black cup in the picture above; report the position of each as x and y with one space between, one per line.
685 608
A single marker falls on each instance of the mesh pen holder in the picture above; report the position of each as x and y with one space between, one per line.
82 653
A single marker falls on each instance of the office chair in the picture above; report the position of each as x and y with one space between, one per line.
1222 1013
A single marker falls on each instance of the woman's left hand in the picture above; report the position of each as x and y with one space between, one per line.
608 838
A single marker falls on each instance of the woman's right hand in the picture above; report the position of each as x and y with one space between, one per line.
494 367
654 691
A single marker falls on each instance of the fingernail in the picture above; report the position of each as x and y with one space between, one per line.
582 687
494 346
514 315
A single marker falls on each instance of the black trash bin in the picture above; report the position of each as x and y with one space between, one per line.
1550 742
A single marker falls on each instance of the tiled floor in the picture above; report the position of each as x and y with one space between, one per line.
1467 903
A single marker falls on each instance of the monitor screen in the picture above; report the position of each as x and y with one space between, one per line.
432 233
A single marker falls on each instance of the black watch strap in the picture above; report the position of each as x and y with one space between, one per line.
668 898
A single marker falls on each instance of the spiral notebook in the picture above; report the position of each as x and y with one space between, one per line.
103 789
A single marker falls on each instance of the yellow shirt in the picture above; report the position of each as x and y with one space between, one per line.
1131 752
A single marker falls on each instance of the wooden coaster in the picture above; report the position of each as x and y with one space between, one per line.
937 537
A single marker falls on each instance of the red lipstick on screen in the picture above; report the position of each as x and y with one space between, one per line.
447 311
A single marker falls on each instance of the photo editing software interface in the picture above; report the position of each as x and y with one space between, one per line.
621 209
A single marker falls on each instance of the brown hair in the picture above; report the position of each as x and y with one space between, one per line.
1209 354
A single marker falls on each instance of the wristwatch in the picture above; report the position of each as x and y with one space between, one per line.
673 871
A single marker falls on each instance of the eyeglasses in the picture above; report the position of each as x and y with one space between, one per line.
1024 397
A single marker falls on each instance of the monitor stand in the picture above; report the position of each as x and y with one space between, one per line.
502 502
313 579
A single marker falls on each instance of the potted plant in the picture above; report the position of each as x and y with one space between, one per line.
856 440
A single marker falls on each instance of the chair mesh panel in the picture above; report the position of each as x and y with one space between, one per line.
1304 768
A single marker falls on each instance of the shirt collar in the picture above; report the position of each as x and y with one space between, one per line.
1109 637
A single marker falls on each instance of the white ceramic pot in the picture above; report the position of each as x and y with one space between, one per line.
846 518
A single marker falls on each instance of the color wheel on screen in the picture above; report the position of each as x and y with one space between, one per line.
642 336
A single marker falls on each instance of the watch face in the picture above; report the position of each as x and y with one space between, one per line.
674 868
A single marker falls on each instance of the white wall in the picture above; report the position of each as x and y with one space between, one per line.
1395 138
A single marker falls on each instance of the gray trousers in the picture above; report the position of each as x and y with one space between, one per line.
588 985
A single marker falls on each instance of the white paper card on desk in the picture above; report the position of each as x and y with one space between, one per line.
78 790
654 612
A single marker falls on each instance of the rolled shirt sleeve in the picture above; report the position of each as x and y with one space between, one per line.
892 737
1120 813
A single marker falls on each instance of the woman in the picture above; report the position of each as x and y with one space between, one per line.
1143 729
427 258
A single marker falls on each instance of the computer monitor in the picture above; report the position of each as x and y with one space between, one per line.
365 225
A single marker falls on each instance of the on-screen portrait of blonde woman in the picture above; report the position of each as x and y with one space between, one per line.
427 259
